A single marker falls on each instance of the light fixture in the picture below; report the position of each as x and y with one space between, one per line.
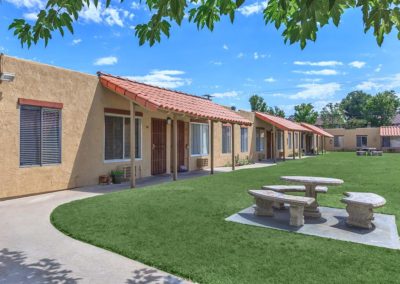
7 77
169 120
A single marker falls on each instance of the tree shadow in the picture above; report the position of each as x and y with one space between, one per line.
13 269
148 275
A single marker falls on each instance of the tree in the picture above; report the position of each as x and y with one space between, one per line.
276 111
382 108
332 116
257 103
299 20
305 113
354 105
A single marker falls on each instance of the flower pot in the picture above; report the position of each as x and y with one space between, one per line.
117 179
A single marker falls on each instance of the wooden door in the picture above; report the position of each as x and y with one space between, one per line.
269 145
159 146
181 143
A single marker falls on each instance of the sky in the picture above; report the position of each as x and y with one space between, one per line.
231 63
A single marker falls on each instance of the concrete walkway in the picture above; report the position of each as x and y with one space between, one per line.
33 251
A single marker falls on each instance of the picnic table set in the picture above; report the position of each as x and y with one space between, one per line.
359 205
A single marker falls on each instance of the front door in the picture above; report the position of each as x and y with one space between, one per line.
159 146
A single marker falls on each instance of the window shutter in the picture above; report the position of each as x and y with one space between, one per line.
51 136
30 135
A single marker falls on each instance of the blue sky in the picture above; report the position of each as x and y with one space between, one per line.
231 63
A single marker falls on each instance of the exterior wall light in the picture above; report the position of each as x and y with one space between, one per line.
169 120
7 77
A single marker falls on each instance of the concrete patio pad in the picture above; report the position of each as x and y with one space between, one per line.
331 225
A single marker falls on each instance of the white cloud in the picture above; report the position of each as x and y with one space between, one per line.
76 41
316 91
225 47
379 68
270 80
163 78
110 16
110 60
357 64
218 63
27 3
324 72
240 55
319 63
257 55
135 6
30 16
311 80
381 84
253 8
230 94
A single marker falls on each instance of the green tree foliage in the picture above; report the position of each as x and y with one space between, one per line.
354 106
276 111
299 20
332 116
257 103
382 108
305 113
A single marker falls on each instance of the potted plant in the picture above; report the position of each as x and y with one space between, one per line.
117 176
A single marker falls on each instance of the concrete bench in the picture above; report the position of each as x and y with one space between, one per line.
376 153
360 207
291 188
361 153
264 200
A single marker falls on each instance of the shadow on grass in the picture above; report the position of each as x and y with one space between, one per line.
14 269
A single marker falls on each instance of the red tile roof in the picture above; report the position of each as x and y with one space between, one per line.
280 122
156 98
389 131
316 130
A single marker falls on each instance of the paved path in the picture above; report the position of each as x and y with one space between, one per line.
33 251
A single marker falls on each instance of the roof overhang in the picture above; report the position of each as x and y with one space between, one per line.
316 130
389 131
281 123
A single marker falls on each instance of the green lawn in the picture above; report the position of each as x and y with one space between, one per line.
179 227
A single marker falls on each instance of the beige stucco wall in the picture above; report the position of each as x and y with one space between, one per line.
350 138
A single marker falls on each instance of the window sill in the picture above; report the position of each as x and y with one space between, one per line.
39 166
199 155
120 161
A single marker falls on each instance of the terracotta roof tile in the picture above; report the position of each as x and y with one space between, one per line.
156 98
316 130
281 122
389 131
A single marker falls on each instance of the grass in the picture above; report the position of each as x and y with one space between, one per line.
179 227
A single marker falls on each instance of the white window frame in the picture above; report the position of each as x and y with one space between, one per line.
123 143
241 140
190 140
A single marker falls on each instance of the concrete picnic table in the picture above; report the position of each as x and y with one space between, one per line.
311 183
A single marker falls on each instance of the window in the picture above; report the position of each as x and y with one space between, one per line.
260 139
385 141
362 141
226 139
40 136
338 141
199 139
117 144
280 138
289 137
296 140
244 139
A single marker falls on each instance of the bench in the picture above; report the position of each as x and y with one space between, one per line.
291 188
361 153
264 200
376 153
360 207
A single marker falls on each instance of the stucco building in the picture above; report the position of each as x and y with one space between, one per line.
62 129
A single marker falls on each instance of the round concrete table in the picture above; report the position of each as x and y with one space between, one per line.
311 183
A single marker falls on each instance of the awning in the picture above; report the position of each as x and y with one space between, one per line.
389 131
156 98
281 122
316 130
